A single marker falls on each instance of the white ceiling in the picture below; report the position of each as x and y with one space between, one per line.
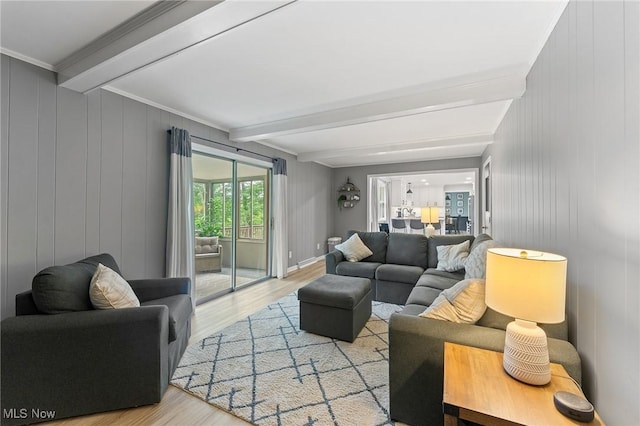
338 82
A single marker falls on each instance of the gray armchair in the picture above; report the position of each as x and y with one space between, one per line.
87 361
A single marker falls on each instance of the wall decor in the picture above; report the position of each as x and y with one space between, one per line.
448 203
460 211
460 203
348 195
460 196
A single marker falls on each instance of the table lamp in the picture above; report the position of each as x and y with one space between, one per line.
529 286
429 215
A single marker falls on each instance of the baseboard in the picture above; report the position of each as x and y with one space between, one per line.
304 263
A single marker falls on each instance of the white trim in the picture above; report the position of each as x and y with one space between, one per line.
27 59
164 108
410 160
304 263
400 147
206 149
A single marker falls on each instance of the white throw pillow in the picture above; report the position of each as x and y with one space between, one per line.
108 290
476 264
452 258
462 303
354 249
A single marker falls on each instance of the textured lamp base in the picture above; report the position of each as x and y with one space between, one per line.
429 231
526 356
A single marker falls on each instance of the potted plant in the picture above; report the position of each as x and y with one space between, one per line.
341 199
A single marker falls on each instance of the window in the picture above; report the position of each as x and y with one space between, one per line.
213 208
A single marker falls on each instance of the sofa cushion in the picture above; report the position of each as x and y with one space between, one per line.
399 273
423 296
475 266
180 310
358 269
443 240
452 258
205 245
462 303
108 290
407 249
413 310
354 249
65 288
377 243
441 280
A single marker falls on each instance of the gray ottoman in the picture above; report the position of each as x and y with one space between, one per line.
335 306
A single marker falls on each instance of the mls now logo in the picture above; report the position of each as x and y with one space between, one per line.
23 413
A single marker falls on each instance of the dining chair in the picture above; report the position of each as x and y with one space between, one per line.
399 224
416 224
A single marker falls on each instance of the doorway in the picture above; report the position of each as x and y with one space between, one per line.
402 197
231 217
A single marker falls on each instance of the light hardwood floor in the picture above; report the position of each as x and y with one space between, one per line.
177 406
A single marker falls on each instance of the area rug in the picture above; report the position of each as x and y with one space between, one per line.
265 370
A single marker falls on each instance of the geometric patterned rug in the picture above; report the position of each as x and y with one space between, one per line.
267 371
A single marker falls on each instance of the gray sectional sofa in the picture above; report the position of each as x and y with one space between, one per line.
400 262
402 271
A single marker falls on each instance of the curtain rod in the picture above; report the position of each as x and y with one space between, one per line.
229 146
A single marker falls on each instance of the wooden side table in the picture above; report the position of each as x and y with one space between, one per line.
477 389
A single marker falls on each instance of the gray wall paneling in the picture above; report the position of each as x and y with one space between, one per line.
566 179
21 235
5 71
356 217
86 174
111 180
70 176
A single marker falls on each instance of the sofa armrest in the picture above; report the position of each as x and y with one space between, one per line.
84 362
331 261
416 362
151 289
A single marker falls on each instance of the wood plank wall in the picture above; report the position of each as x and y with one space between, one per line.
566 179
86 174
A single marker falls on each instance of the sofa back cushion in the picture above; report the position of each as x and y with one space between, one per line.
65 288
407 249
376 242
205 245
443 240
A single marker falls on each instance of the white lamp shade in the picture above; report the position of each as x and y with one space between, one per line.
526 285
429 215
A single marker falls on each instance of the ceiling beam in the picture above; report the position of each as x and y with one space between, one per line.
474 93
397 148
162 30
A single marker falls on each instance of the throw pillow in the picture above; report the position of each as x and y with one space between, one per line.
462 303
108 290
354 249
476 264
452 258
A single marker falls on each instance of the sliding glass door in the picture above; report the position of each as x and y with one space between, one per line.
231 213
252 250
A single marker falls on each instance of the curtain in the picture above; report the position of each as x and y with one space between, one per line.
373 204
280 237
180 227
